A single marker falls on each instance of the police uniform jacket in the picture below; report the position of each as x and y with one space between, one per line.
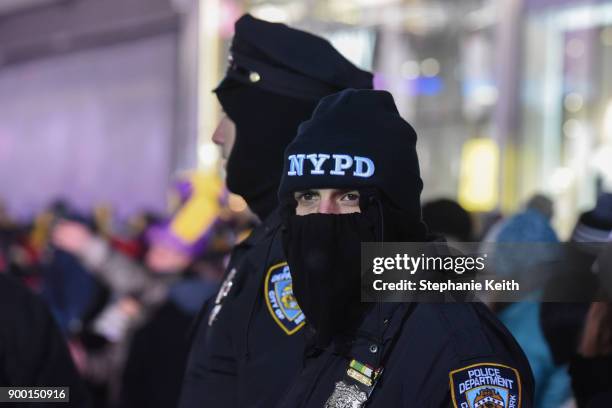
430 355
253 349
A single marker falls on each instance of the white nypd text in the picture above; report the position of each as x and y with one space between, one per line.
318 164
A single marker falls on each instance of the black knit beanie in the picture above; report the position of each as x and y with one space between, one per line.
356 139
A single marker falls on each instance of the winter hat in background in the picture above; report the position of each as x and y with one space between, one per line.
595 225
449 218
527 227
356 139
542 204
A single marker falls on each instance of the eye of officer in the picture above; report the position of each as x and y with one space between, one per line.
326 201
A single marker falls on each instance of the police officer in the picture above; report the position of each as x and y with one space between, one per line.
248 344
350 176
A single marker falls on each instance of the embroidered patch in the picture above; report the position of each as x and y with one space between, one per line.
278 291
486 385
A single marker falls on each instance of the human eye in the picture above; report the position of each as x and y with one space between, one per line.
350 197
305 196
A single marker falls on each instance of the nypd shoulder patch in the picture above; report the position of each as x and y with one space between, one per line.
485 385
278 291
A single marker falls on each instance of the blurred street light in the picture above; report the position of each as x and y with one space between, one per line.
430 67
478 176
573 102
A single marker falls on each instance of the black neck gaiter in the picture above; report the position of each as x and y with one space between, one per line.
324 254
265 124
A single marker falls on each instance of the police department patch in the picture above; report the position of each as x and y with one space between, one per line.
486 385
278 291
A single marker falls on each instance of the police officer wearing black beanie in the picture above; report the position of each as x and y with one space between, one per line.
351 176
248 344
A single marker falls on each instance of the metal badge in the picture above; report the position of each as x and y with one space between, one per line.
346 396
226 286
221 295
213 314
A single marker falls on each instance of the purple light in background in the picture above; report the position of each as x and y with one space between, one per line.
94 126
6 145
379 81
427 86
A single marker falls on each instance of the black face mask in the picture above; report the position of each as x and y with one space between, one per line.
324 254
265 124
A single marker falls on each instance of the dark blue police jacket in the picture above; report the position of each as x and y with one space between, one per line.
253 349
418 355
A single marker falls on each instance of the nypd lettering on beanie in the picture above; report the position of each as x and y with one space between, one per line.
321 164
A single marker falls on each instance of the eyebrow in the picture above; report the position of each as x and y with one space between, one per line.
336 192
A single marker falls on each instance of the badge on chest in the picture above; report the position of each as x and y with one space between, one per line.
346 396
278 291
356 387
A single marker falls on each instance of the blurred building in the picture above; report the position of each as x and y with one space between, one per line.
96 100
109 98
509 97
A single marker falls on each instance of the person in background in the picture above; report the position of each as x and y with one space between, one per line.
158 351
563 323
8 236
65 284
595 225
591 366
447 217
523 318
138 290
33 352
538 202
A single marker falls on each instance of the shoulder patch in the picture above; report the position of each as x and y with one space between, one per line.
278 291
485 385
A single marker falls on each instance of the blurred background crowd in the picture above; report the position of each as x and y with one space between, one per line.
112 203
